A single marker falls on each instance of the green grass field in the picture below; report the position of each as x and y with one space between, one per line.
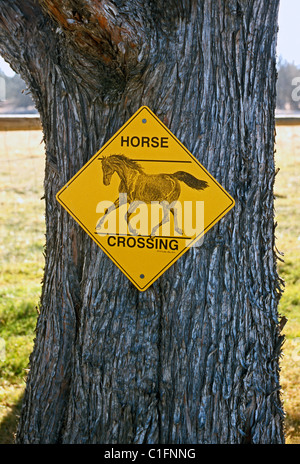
22 261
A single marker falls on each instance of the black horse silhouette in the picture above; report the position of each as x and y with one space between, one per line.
141 187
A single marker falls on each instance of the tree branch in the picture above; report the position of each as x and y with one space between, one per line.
100 30
26 41
18 23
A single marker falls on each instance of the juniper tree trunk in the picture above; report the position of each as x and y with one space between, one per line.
195 358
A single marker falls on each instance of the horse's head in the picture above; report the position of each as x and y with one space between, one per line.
107 170
120 164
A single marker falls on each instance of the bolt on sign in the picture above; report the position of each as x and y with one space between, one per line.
144 199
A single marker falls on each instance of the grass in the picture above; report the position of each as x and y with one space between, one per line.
21 267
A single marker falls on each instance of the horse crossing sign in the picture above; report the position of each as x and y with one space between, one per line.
144 199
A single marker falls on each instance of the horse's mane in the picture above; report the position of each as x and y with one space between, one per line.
120 159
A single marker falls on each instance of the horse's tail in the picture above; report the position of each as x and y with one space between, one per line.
190 180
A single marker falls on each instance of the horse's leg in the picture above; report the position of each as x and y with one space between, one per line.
165 218
131 210
175 194
178 230
114 206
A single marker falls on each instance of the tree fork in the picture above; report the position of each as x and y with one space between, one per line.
195 358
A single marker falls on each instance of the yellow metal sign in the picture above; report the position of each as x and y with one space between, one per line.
144 199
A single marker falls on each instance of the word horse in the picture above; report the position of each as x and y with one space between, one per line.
145 188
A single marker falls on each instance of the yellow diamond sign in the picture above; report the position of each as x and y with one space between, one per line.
144 199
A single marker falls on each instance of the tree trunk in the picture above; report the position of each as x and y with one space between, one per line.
195 358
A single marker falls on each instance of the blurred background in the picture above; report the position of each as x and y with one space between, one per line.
22 226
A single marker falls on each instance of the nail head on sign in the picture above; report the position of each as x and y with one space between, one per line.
144 121
142 276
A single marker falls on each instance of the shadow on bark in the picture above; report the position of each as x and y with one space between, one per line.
8 425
